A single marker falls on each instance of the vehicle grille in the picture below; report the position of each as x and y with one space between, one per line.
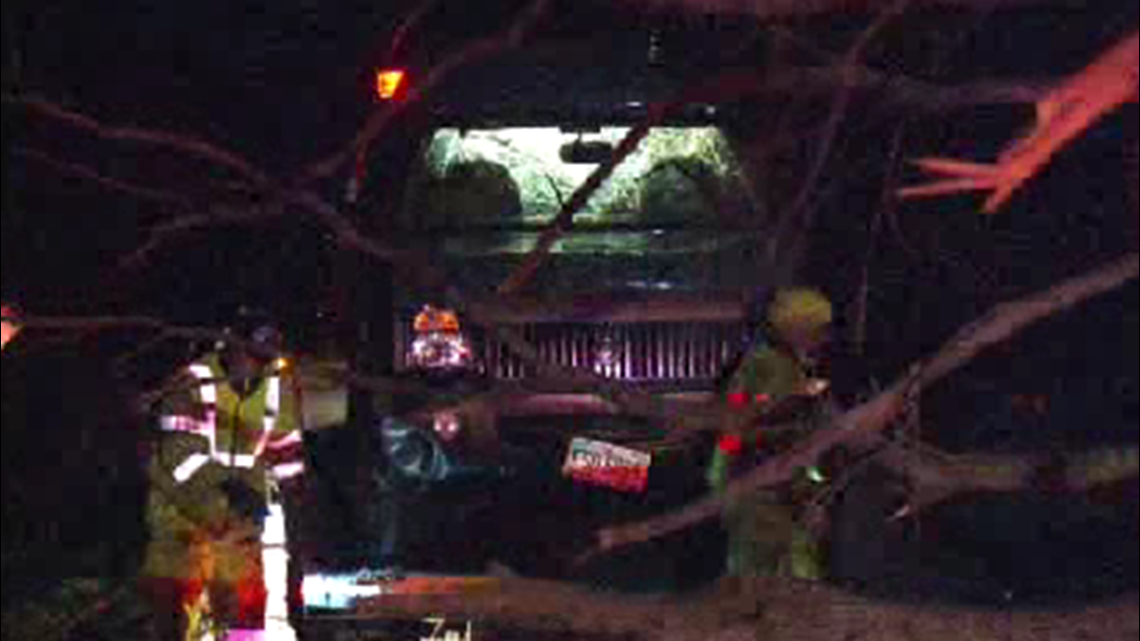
624 351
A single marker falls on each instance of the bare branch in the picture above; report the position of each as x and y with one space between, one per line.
87 173
798 216
410 23
215 216
379 123
938 475
1064 113
864 422
158 138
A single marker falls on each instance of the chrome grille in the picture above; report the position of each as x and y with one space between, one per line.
625 351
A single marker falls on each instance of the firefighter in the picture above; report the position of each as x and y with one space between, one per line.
764 537
229 442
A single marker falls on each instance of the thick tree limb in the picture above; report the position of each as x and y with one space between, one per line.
1063 114
769 609
938 475
863 423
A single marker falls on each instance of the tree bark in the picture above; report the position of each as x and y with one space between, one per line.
768 609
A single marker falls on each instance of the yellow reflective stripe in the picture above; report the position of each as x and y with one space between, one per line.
189 467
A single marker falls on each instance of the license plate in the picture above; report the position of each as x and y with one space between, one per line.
608 465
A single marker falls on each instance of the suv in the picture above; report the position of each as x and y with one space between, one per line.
649 288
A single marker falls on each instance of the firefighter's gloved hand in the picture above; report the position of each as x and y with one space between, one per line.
245 501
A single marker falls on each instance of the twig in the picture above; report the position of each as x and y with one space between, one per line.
87 173
183 223
885 208
408 24
798 214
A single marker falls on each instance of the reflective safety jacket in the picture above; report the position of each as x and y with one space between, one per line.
766 376
242 429
209 472
763 536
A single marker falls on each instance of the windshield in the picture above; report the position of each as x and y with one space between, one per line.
665 217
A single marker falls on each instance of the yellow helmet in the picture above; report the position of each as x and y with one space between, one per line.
799 308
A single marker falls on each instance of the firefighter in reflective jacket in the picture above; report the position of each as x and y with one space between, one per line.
763 535
230 440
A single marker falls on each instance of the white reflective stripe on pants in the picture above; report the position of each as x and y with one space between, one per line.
275 561
275 564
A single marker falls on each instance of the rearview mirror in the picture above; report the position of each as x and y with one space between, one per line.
586 153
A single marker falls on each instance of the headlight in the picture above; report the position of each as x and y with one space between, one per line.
438 341
446 425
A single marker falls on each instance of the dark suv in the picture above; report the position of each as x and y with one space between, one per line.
649 288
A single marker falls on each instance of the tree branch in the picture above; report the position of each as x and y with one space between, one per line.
379 123
86 173
799 216
938 475
863 423
769 609
185 144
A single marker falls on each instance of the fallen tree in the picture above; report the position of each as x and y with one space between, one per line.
769 610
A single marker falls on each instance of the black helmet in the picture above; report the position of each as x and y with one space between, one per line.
255 327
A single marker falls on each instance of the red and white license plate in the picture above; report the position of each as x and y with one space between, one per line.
608 465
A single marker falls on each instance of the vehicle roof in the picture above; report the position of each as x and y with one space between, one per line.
607 75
